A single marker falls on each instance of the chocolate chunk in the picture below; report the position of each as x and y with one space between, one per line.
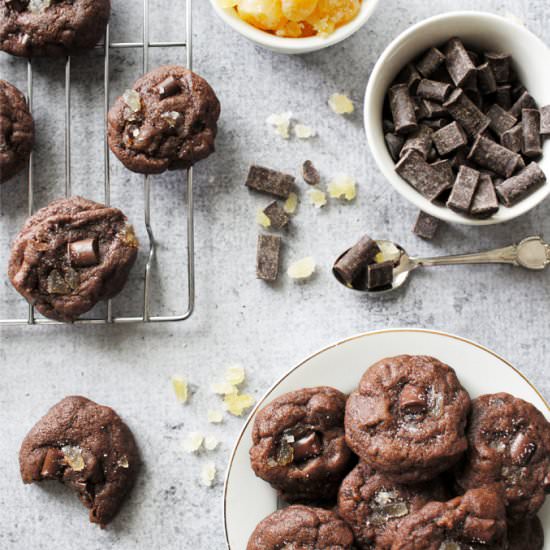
501 65
83 253
430 62
445 167
459 159
485 202
522 449
449 139
426 179
351 267
402 108
436 124
464 111
525 101
420 109
168 87
420 141
476 98
545 120
433 109
306 447
474 56
459 64
277 215
387 125
513 138
425 226
530 124
310 173
486 153
394 144
410 76
503 97
53 464
412 399
486 81
380 276
501 120
514 189
267 258
432 155
435 91
270 181
464 190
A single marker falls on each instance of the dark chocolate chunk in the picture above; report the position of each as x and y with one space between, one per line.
486 153
308 446
432 155
518 187
503 97
168 87
501 120
476 98
426 179
474 56
351 267
267 258
436 124
310 173
486 81
434 91
525 101
379 276
517 91
464 111
395 144
500 63
409 76
545 120
459 64
270 181
387 125
419 109
402 108
449 139
485 202
430 62
532 142
459 159
420 141
513 138
464 190
277 215
425 226
445 167
83 253
433 109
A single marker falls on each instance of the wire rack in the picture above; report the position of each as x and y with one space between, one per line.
107 48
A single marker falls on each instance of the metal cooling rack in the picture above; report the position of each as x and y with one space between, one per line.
107 47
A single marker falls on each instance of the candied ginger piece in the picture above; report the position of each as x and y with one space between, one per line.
281 123
73 457
317 197
291 203
193 442
341 104
224 388
388 252
303 132
235 375
133 100
215 417
262 219
210 443
342 186
181 388
236 404
208 474
302 269
330 14
298 10
264 14
290 30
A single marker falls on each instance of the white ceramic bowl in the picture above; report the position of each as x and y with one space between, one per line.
295 45
483 31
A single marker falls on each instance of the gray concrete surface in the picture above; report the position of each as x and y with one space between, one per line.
238 319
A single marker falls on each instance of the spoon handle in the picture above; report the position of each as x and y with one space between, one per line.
507 255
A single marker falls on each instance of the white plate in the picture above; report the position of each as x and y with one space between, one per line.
248 499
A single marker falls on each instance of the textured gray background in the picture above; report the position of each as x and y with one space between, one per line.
238 319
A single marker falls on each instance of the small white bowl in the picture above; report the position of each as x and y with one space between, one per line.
295 45
483 31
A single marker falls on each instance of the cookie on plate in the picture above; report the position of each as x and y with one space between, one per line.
70 255
509 442
374 506
527 535
52 28
302 528
87 447
476 520
299 444
167 121
16 131
407 418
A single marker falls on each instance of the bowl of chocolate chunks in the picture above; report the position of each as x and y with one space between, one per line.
457 115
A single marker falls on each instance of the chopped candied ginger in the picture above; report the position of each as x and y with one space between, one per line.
342 186
215 416
210 443
262 219
180 387
208 474
224 388
291 203
235 375
123 462
331 14
290 30
132 100
317 197
303 132
302 269
388 252
341 104
264 14
73 457
193 442
298 10
236 404
281 123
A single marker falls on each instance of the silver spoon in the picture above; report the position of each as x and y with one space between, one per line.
531 253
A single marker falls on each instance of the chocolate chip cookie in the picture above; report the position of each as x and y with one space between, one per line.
374 506
509 442
16 131
301 528
299 444
87 447
407 418
52 28
167 121
475 521
70 255
527 535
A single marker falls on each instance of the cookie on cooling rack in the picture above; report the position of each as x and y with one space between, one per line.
167 121
52 28
87 447
16 131
70 255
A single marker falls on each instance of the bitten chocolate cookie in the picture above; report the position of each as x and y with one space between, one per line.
509 442
407 418
299 444
70 255
301 528
476 521
374 506
527 535
52 28
167 121
16 131
87 447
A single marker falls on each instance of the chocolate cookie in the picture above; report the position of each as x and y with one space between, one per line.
407 418
509 442
70 255
475 521
374 506
16 131
34 28
527 535
301 528
299 444
87 447
168 121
